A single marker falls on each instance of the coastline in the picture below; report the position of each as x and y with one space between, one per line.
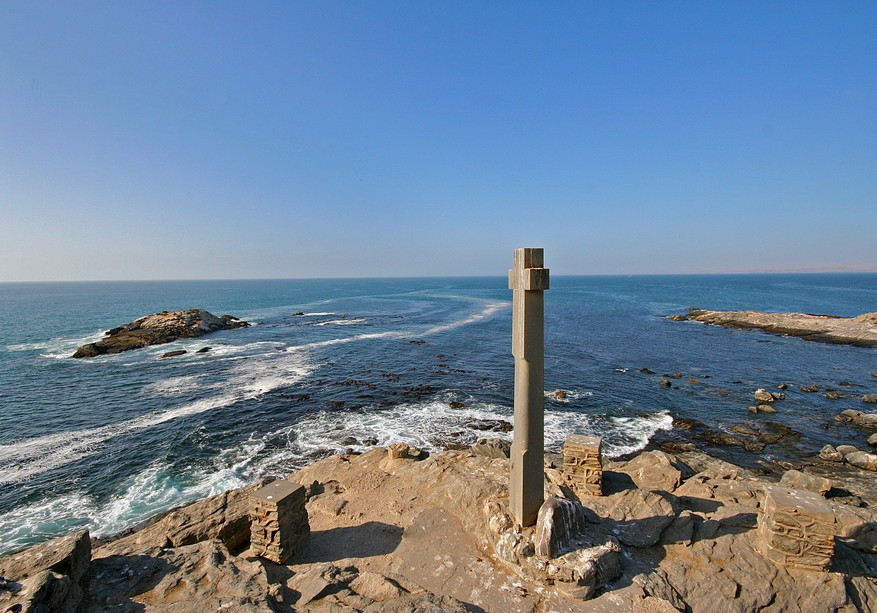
619 385
676 518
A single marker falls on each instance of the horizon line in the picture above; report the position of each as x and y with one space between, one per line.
809 271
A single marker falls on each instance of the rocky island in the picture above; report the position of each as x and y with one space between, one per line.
157 329
396 530
860 331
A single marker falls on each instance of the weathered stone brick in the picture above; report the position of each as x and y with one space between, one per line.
279 520
796 528
582 464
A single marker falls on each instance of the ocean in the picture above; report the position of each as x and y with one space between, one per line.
339 365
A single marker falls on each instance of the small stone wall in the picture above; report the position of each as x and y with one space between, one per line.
796 528
582 464
279 520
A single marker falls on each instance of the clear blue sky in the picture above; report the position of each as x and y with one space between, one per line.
165 140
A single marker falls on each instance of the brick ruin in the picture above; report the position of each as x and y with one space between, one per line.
582 464
279 520
796 528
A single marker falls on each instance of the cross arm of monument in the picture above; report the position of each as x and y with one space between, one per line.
529 273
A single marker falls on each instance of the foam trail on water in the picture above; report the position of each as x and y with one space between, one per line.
490 308
172 386
57 347
342 322
245 381
26 525
26 458
424 424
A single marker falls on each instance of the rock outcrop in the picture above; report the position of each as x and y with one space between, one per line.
860 331
157 329
47 577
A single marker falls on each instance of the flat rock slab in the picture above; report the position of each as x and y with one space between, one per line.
437 554
630 599
860 331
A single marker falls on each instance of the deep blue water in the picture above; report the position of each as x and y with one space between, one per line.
109 441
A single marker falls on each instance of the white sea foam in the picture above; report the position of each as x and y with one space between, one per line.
621 435
141 496
56 345
172 386
430 423
569 395
57 348
252 377
25 525
422 424
245 380
342 322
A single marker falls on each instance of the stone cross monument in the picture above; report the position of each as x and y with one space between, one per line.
528 279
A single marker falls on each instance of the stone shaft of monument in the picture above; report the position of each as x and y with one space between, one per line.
528 279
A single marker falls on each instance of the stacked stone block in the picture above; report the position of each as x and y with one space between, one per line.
796 528
582 464
279 520
398 451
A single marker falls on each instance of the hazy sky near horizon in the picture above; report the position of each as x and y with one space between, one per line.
183 140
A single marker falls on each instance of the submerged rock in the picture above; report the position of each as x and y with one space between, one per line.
158 329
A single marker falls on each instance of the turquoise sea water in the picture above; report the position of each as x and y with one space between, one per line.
106 442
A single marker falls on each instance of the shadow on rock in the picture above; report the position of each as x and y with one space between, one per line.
615 482
114 580
370 539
